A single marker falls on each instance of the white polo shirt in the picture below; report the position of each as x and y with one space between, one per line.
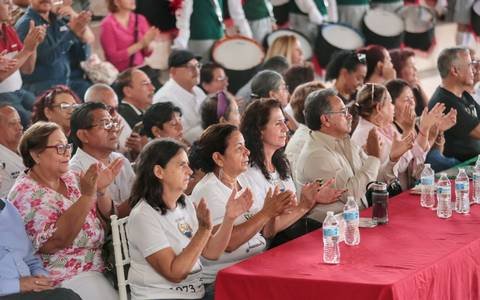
121 186
11 165
188 102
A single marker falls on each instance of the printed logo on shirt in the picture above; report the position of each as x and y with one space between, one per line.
185 229
252 244
64 28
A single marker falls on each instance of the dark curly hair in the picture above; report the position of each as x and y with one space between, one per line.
254 120
213 139
146 185
47 99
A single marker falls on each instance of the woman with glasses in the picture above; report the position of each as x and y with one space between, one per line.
265 132
376 111
405 120
62 211
166 233
219 108
56 105
348 69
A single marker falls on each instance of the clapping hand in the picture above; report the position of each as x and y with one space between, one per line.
276 202
88 181
448 121
108 174
406 117
203 215
35 36
238 205
316 193
374 145
400 145
78 24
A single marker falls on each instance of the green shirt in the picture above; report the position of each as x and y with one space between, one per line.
204 21
255 10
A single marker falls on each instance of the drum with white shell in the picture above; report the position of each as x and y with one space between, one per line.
305 43
383 28
334 37
419 26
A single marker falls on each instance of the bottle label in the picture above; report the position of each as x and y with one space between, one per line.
443 190
331 231
461 186
351 215
427 180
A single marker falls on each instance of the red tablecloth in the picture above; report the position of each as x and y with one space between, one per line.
415 256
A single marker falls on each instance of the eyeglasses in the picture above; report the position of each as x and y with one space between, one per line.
107 124
221 78
344 112
195 67
61 148
111 109
66 106
362 58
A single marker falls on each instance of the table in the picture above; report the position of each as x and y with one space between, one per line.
415 256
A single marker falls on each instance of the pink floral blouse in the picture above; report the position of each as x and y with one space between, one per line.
40 208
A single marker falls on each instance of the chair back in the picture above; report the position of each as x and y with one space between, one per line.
122 255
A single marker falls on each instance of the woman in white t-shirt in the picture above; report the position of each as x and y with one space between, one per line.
166 236
263 126
221 154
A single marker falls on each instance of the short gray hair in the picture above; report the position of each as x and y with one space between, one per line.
316 105
92 94
264 82
447 58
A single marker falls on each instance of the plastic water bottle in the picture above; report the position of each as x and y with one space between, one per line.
331 236
427 179
476 182
444 197
462 184
352 218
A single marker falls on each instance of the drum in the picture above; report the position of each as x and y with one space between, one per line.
334 37
383 28
240 57
304 41
475 17
419 26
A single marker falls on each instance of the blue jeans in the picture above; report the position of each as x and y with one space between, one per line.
439 162
22 100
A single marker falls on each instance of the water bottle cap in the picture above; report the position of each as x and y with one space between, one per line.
443 174
329 213
427 165
350 198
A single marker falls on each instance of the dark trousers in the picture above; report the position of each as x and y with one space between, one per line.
55 294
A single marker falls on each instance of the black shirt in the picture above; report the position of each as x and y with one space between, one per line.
129 114
458 142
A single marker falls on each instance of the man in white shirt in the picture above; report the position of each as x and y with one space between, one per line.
182 90
11 164
95 132
103 93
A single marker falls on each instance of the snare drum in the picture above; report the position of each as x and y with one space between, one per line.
334 37
419 26
240 57
383 28
304 41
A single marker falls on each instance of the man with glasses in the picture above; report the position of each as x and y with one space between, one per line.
456 69
11 164
329 153
95 132
182 90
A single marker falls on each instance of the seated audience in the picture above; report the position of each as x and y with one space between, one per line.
221 154
213 78
297 75
125 35
379 64
376 111
24 55
462 141
348 69
405 120
95 132
298 139
137 90
404 63
23 275
11 165
167 234
219 108
64 213
289 47
52 65
56 105
329 153
163 120
103 93
182 90
265 132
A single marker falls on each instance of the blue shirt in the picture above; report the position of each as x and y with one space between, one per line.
17 258
53 63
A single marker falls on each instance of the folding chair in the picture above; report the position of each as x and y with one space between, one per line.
122 256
